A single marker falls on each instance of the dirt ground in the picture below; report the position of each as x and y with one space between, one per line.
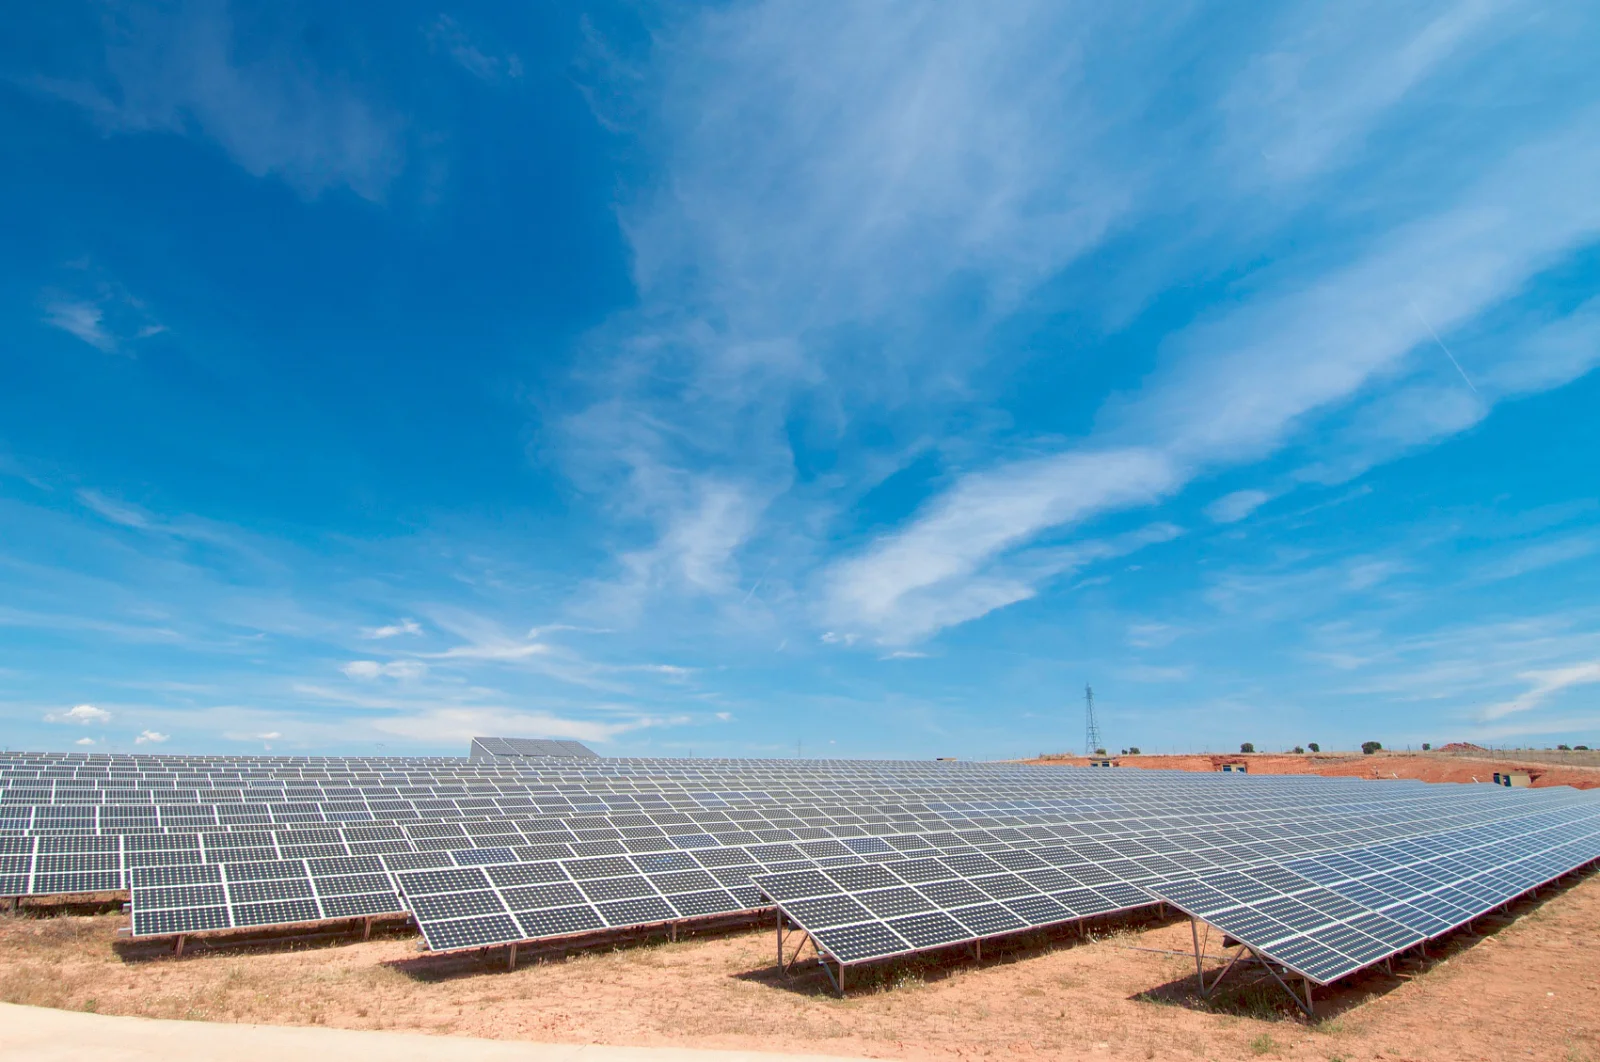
1525 985
1426 767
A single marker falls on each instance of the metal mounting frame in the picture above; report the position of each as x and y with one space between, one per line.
785 965
1306 1004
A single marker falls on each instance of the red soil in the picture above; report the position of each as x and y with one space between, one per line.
1426 767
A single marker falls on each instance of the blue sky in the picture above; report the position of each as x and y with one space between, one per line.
733 380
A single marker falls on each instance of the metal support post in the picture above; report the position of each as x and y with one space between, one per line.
786 963
836 982
511 957
1303 1004
1199 971
1217 980
366 928
177 948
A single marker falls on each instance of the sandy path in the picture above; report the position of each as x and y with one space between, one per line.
39 1034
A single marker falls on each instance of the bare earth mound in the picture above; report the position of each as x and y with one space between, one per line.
1523 986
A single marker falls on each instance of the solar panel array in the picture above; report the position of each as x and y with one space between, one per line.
875 857
1328 916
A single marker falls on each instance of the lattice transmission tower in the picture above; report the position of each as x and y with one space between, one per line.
1091 726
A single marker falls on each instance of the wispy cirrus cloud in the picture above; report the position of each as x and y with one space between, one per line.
98 310
815 272
1227 394
1542 685
1231 508
86 320
1322 86
448 35
457 726
179 68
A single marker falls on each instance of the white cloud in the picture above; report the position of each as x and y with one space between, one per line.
180 68
696 545
82 715
1231 508
936 572
1152 635
669 670
405 670
1306 102
904 654
98 310
115 511
1543 685
448 34
1230 393
1540 555
485 640
82 319
84 741
725 717
150 737
867 182
405 626
271 735
460 725
1153 673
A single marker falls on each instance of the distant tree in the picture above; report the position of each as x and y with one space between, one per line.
1580 748
1298 751
1131 750
1099 752
1563 748
1314 747
1426 746
1247 747
1369 747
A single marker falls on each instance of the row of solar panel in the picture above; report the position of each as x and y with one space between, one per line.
982 889
841 915
95 864
989 791
728 869
1328 916
786 814
586 828
157 801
